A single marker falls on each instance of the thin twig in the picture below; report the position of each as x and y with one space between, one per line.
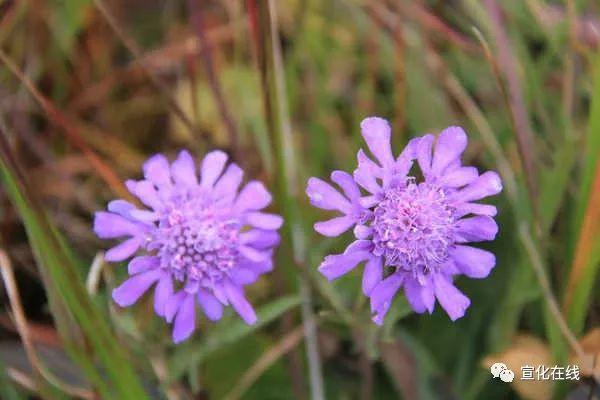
71 133
290 181
515 102
22 379
469 106
12 291
534 255
432 22
276 107
95 274
510 183
542 277
206 53
173 391
365 364
569 74
400 365
133 48
266 360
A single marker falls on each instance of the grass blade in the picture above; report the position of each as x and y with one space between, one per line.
7 389
280 129
73 309
586 259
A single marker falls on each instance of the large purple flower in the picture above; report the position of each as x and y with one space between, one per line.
202 241
410 234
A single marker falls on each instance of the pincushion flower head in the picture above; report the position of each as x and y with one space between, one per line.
410 233
199 241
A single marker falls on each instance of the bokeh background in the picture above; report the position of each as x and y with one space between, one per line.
90 88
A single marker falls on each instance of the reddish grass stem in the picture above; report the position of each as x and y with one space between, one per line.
71 133
516 103
206 53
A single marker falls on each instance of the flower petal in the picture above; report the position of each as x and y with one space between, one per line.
144 216
120 207
142 264
254 196
405 160
487 184
382 296
238 301
428 294
451 143
347 183
476 229
108 226
422 292
229 183
156 170
183 169
424 153
211 168
477 209
336 265
377 133
473 262
185 320
369 201
324 196
459 177
133 288
335 226
264 220
258 267
412 291
146 192
162 292
372 274
219 292
212 308
367 172
260 238
172 305
253 254
362 231
451 299
124 250
243 276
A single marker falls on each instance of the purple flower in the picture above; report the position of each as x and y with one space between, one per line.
410 234
202 241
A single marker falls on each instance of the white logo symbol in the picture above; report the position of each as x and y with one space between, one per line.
497 368
500 370
507 376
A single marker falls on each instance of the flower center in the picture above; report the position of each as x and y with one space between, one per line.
196 246
413 227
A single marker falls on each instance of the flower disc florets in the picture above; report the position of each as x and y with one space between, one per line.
413 227
198 246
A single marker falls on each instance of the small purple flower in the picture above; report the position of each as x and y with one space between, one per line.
202 240
410 234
